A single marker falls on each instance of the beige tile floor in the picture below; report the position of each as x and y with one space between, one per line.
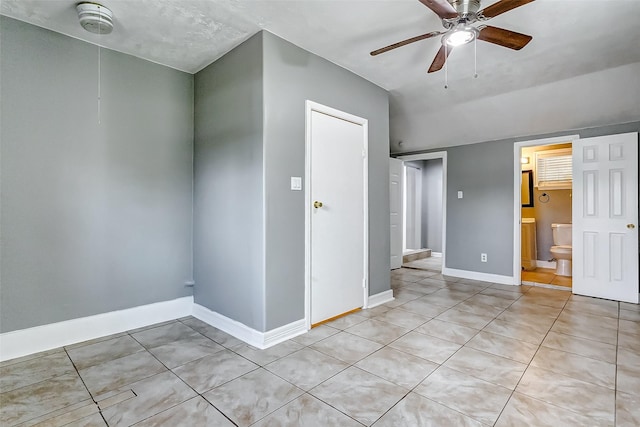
546 276
431 263
445 352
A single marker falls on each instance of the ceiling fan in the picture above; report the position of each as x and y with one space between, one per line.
457 19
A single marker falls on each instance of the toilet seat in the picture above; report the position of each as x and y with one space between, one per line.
561 249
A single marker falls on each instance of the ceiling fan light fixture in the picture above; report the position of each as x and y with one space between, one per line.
460 37
95 18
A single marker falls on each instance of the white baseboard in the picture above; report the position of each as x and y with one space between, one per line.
247 334
436 254
379 298
475 275
46 337
545 264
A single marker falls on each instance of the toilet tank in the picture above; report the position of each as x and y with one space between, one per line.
561 234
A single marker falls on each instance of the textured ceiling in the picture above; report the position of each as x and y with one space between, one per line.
570 38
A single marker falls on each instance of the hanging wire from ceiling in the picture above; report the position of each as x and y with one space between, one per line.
99 71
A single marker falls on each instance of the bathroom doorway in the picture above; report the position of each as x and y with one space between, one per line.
424 207
546 214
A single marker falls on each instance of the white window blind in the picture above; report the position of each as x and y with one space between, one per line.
553 169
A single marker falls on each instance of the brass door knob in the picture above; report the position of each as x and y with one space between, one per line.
317 204
629 226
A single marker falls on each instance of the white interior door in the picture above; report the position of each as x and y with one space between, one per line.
338 213
413 208
395 210
605 212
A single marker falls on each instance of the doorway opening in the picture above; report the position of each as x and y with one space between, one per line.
424 211
543 212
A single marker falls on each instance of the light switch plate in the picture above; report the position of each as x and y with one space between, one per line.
296 183
459 194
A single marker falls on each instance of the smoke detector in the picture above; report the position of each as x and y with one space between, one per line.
95 18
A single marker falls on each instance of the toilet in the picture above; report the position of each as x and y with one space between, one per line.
561 249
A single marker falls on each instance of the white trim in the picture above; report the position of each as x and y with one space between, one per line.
247 334
476 275
436 254
517 198
545 264
380 298
46 337
429 156
314 106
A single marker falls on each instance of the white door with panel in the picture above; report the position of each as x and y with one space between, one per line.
337 188
396 185
413 208
605 212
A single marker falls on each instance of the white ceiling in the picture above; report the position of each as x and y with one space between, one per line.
570 38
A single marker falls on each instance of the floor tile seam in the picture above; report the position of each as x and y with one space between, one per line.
70 371
89 401
575 353
330 405
566 408
295 398
415 355
196 359
175 340
77 371
449 407
452 409
30 357
142 349
530 361
410 329
348 365
483 379
216 408
129 382
500 356
570 375
375 342
588 313
433 336
537 399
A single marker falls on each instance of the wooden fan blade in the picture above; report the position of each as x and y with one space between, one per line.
442 8
501 7
405 42
440 59
503 37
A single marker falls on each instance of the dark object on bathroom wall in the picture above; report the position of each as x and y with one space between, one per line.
527 189
544 198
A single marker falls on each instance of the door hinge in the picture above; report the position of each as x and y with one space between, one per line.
364 283
364 153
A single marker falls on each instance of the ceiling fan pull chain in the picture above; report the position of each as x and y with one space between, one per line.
99 69
446 66
475 58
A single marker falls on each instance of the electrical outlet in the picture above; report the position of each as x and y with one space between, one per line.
483 257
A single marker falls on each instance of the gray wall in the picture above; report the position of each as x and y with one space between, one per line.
228 170
432 204
94 217
291 76
482 221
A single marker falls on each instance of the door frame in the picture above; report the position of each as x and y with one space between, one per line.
430 156
310 107
517 197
